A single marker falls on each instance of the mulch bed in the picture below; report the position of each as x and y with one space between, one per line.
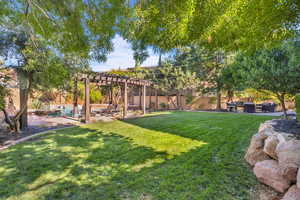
288 126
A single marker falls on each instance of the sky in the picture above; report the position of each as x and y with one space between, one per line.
122 57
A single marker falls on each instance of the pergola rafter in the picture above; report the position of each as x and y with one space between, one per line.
104 79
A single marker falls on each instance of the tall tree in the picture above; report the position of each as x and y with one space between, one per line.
37 66
140 53
228 24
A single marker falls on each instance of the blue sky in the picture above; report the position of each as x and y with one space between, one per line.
122 57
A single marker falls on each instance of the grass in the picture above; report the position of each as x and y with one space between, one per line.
166 156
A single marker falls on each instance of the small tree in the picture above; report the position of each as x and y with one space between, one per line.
276 70
170 79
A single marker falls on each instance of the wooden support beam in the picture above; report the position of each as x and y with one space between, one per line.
125 100
140 97
156 100
144 99
87 100
150 99
75 97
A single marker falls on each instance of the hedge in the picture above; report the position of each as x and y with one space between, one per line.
297 100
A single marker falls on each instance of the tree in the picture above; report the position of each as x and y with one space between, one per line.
170 79
208 65
83 27
140 53
37 67
276 70
228 24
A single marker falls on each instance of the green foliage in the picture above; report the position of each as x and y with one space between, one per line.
232 24
276 70
170 79
163 105
136 159
189 98
37 105
140 53
95 95
81 27
297 101
4 91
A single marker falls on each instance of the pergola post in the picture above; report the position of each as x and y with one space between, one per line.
75 97
150 99
87 99
125 100
144 99
156 100
140 97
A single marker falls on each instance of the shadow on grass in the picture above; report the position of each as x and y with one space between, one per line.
131 160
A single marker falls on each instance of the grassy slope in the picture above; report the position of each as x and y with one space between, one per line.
180 155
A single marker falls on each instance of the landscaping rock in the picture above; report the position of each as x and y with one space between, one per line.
289 158
255 151
267 193
269 173
298 179
270 146
266 129
292 194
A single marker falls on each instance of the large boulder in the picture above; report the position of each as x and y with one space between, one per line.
266 129
292 194
269 173
255 151
298 179
270 146
289 158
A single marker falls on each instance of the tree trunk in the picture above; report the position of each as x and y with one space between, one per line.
8 119
20 120
23 104
219 97
281 98
75 98
159 59
230 94
168 99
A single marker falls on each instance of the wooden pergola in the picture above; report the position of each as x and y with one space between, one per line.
103 79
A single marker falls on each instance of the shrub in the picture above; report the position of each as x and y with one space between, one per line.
189 98
37 104
163 105
297 101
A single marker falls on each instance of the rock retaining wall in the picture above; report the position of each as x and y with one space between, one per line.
275 157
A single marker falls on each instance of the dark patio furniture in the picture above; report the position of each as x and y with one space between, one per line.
231 107
249 107
258 107
268 107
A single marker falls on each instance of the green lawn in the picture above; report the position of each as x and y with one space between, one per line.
170 155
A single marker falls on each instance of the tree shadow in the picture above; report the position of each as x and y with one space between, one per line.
95 163
80 156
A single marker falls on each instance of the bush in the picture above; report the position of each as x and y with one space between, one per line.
163 105
297 101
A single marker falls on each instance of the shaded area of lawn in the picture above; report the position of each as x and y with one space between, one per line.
178 155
